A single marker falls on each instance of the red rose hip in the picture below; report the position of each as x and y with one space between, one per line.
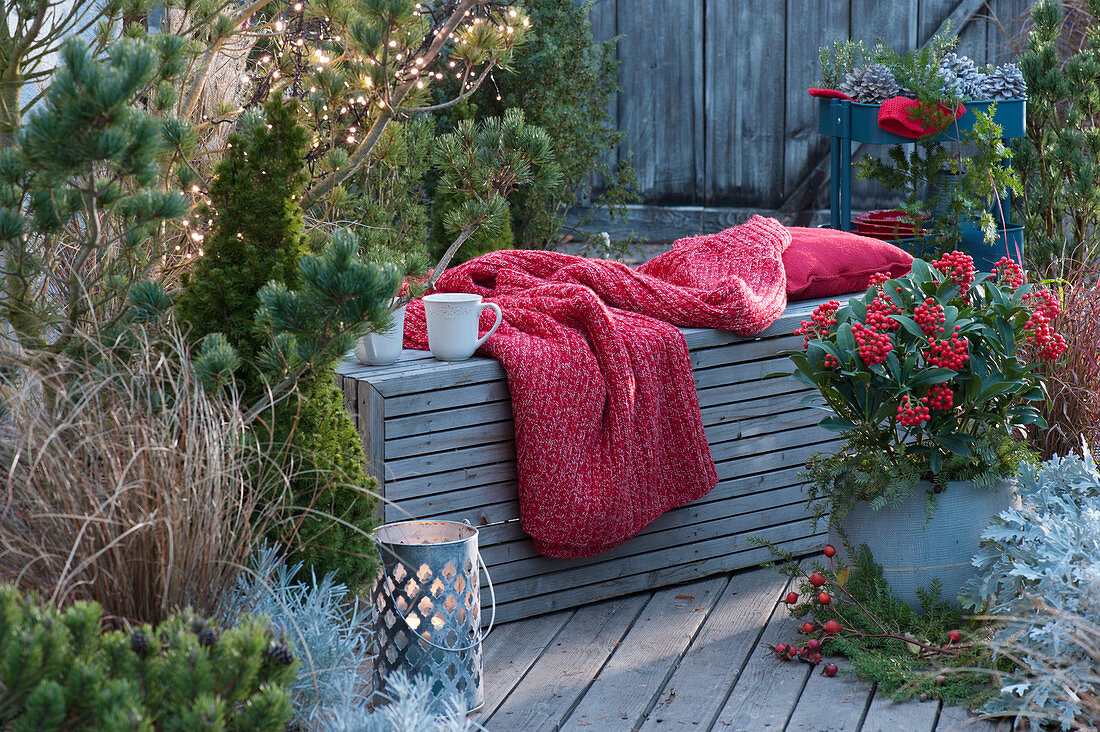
954 636
792 598
808 627
813 644
831 669
830 551
824 598
832 627
817 579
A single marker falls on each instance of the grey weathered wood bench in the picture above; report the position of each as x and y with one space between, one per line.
438 436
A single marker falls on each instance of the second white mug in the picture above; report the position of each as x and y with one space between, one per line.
452 321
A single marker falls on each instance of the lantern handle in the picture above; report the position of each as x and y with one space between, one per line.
481 637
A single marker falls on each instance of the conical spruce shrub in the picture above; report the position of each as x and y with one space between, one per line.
258 238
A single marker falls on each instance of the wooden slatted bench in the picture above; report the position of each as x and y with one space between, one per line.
438 436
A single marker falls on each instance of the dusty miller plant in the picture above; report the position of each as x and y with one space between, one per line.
410 710
1040 570
329 631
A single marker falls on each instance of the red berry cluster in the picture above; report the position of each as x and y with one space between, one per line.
873 345
807 653
878 278
950 354
911 414
1045 309
830 361
929 316
820 323
959 267
1008 273
879 312
941 397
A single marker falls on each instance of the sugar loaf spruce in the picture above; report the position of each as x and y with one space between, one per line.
270 312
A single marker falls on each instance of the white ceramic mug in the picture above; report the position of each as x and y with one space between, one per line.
379 349
452 320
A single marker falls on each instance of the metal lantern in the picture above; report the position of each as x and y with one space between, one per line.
428 608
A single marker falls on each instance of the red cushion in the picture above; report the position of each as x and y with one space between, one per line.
826 262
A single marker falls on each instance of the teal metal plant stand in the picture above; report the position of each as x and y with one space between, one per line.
845 122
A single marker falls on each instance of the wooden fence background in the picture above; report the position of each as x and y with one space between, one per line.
714 102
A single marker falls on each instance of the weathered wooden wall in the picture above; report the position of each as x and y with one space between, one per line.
714 102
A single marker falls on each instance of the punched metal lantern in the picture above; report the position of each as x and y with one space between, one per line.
428 609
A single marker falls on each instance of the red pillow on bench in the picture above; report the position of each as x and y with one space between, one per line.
826 262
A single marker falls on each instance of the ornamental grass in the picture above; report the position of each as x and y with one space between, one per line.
126 483
1072 408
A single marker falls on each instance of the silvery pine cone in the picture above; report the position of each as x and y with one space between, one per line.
872 84
1004 82
961 77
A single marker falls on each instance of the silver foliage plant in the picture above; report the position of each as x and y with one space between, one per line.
410 710
331 636
329 632
1039 569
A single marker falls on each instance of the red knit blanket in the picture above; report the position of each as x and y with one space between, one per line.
607 423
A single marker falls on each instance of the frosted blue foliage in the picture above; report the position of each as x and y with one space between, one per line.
328 631
1040 568
410 710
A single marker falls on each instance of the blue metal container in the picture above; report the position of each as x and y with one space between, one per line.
845 122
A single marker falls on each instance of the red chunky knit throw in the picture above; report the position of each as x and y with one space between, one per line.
607 424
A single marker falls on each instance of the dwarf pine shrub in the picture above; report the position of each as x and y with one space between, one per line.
59 671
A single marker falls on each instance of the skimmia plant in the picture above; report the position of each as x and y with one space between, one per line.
926 376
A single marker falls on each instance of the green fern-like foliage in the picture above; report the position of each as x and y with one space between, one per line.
59 671
906 651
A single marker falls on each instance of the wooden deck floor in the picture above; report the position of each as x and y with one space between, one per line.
688 657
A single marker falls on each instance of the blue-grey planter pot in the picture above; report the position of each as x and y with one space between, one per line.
913 550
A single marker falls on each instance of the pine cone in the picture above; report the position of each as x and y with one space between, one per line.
872 84
208 637
961 77
1004 82
139 643
280 653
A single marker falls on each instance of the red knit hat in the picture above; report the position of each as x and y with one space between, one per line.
899 115
828 93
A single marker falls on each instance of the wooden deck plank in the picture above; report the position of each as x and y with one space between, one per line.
836 704
885 715
693 695
635 674
766 690
556 682
832 704
510 651
958 719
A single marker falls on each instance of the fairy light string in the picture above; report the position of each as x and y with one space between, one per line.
344 85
